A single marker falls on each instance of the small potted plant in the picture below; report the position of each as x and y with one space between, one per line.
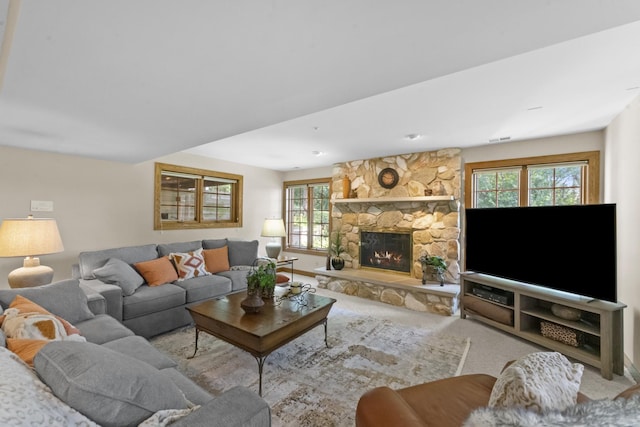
436 265
336 249
262 277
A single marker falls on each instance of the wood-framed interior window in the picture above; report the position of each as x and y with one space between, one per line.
564 179
188 198
307 215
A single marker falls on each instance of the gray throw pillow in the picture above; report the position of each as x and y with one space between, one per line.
64 298
118 272
111 388
242 252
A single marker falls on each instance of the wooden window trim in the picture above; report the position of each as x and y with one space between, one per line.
158 224
592 183
285 185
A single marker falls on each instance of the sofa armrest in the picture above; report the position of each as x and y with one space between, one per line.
238 406
111 293
97 303
382 406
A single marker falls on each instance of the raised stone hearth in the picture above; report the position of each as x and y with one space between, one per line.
395 289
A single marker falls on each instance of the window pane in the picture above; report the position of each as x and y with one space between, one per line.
541 197
555 185
308 211
508 199
496 188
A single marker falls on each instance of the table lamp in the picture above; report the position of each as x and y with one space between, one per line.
273 228
29 237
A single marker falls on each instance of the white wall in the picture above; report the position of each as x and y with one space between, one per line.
100 204
622 178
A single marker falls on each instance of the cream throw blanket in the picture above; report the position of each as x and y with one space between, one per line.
37 326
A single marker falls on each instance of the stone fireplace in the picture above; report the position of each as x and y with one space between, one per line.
387 251
423 206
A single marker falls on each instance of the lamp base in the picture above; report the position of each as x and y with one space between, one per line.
32 274
273 249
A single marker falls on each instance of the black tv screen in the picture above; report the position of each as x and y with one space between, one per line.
567 248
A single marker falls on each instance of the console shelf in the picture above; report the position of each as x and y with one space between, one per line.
600 325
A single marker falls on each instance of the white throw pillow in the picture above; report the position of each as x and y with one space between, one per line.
539 382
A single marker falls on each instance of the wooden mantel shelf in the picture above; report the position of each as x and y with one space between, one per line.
396 199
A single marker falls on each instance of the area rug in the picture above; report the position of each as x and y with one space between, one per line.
307 384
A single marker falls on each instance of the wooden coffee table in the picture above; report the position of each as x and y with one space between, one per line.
261 333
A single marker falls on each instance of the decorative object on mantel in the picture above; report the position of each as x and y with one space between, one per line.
336 248
346 187
435 265
566 313
30 237
328 266
388 178
438 188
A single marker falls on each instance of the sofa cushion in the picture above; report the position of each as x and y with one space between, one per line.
139 348
192 391
89 261
242 252
217 260
206 287
238 278
152 299
103 328
157 271
63 298
189 264
111 388
118 272
164 249
27 401
26 349
538 382
214 243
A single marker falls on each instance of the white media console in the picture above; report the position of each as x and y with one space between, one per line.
520 309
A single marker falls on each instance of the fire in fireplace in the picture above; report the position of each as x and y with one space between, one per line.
385 250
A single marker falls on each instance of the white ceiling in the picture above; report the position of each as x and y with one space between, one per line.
267 83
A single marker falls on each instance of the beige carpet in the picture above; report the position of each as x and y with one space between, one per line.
308 384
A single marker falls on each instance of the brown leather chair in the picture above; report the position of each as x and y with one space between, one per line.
441 403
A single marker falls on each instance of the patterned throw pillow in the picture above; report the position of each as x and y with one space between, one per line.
539 382
189 264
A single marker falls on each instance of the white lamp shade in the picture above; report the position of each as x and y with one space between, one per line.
273 228
27 237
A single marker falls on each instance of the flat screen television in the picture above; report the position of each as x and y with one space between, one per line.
567 248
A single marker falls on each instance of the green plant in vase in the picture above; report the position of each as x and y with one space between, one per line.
337 249
262 277
434 263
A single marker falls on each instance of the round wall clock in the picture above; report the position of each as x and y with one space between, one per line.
388 178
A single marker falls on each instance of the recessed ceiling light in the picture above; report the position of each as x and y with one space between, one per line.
317 153
412 136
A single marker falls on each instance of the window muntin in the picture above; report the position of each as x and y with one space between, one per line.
496 188
543 181
196 198
307 215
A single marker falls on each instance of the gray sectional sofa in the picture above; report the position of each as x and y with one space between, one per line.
151 310
115 378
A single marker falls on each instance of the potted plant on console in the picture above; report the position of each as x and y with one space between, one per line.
435 265
336 249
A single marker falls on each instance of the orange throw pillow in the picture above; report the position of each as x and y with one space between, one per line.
26 349
157 271
216 260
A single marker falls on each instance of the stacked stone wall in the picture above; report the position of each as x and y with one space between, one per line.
434 225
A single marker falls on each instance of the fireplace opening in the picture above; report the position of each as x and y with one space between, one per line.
386 251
